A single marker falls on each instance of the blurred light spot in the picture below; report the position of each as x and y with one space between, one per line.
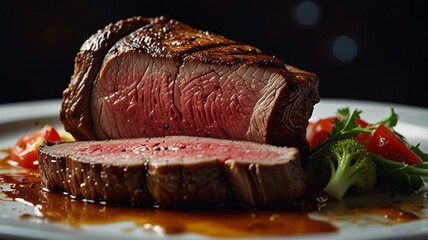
345 48
307 13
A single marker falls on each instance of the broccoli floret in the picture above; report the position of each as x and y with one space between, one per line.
351 167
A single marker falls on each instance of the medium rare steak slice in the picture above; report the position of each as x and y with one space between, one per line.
167 78
176 171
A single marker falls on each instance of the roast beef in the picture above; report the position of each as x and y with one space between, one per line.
175 171
152 77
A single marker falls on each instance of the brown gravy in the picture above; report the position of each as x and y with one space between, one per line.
218 222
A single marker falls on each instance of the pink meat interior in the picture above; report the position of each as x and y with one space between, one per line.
176 150
136 95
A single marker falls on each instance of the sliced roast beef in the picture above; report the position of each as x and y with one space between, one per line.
176 171
158 77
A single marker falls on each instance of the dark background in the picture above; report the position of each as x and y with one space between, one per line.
40 39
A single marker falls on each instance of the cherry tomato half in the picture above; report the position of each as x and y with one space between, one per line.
387 144
24 152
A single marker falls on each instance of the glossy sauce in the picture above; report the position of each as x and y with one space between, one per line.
384 214
219 222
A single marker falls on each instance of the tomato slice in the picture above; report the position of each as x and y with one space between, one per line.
317 132
364 138
387 144
24 152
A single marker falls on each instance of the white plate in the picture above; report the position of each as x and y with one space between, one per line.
18 118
